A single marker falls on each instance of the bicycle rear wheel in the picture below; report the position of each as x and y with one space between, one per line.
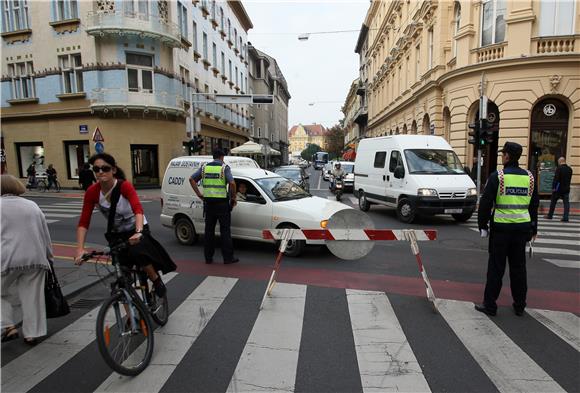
126 345
41 185
159 308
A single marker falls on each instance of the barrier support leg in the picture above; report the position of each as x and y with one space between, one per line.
274 275
411 236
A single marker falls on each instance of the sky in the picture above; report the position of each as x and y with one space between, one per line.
319 70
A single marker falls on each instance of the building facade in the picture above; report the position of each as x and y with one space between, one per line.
270 122
428 61
300 136
351 109
128 68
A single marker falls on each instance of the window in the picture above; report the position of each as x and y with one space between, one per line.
557 17
430 61
395 161
195 47
15 15
142 7
259 69
28 153
417 63
237 76
205 55
229 30
182 19
259 132
140 72
221 18
223 63
230 68
493 22
235 37
214 47
213 12
399 81
22 80
66 9
456 25
407 77
184 74
380 158
71 72
77 154
145 164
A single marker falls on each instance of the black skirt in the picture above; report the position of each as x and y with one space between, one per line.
147 252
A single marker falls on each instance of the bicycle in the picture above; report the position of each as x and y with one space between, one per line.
42 185
124 326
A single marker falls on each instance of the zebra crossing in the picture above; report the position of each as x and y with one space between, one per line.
561 239
268 353
346 199
56 211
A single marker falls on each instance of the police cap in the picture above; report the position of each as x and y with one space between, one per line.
513 149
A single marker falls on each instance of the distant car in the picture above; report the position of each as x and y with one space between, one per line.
326 171
295 173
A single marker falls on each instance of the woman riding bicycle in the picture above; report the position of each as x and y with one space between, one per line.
128 223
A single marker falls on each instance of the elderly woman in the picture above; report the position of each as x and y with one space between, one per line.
26 250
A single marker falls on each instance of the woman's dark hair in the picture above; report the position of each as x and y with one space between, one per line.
86 166
109 159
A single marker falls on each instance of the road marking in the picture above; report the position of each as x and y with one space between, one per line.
51 221
353 200
574 227
173 340
34 365
385 359
319 180
270 357
564 324
563 262
558 234
62 210
561 251
506 364
575 243
59 215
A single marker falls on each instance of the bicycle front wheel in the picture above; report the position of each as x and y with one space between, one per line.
41 185
124 338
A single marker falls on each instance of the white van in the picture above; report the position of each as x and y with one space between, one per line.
271 202
416 174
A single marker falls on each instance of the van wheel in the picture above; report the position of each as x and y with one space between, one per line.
185 232
363 204
406 212
463 217
294 247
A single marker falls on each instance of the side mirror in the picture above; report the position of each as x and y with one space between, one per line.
255 199
399 172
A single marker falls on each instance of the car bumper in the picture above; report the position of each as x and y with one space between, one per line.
166 221
434 205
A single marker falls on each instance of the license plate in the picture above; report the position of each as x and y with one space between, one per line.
453 211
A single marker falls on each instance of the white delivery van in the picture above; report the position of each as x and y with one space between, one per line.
416 174
271 202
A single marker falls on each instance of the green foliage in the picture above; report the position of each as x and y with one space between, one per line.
309 151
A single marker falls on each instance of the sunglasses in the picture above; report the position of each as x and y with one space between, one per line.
104 169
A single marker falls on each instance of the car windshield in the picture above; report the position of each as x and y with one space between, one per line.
431 161
289 174
347 168
281 189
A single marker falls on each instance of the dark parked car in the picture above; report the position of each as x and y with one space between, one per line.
295 173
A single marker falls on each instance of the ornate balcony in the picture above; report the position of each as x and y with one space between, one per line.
106 100
125 23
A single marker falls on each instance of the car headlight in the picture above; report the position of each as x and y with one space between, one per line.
323 224
471 191
426 192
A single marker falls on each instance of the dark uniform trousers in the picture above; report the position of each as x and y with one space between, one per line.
218 211
510 245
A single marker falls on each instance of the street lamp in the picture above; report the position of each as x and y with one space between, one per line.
324 102
306 36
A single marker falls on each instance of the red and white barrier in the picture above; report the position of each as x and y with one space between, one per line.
410 235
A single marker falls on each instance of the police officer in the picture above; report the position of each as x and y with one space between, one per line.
513 223
215 176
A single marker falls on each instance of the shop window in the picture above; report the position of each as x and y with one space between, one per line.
145 165
28 153
77 154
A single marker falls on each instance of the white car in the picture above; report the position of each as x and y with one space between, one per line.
271 202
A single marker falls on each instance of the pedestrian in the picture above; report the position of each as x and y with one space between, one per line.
215 177
26 251
31 174
242 192
50 176
513 197
86 177
561 189
118 202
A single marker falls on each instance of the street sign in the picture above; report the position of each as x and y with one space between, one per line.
432 129
483 108
83 129
99 147
350 219
97 136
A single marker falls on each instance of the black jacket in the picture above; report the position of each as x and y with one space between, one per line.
562 179
486 204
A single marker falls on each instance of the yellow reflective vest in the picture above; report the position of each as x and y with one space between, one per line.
514 195
214 182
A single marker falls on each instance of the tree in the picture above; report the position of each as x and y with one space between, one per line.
335 141
309 151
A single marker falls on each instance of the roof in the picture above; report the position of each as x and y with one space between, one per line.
311 130
241 14
361 38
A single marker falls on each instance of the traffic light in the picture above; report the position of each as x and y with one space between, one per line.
487 133
474 134
191 146
199 143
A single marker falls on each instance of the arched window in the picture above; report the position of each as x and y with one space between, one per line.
414 127
456 25
426 123
405 129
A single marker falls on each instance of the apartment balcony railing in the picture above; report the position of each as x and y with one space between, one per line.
220 112
361 115
490 52
143 25
122 99
554 45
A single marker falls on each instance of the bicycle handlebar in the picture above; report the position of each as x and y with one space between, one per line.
105 251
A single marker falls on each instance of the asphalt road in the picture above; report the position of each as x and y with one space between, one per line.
330 325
